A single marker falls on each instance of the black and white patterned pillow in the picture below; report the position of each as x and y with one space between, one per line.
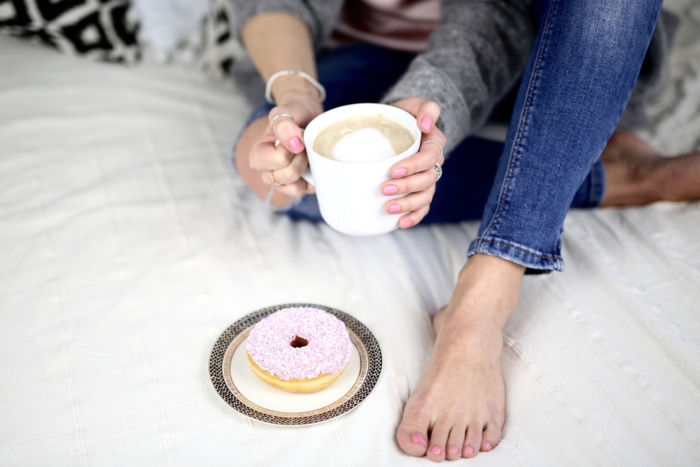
98 29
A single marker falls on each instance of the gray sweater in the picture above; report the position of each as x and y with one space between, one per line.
474 57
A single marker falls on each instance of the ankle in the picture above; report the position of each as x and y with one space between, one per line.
486 292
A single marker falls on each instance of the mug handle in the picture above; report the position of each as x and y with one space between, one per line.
307 175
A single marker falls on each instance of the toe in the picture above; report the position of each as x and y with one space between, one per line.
455 442
412 436
438 442
491 436
473 441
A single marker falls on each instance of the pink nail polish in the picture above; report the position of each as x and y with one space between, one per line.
454 449
400 172
488 447
469 450
437 450
394 208
427 123
296 145
390 189
419 439
407 224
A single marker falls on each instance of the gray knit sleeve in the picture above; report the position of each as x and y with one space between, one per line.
477 53
319 15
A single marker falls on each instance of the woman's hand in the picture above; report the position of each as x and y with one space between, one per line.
287 161
415 176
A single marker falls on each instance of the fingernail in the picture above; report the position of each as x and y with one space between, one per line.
437 450
469 450
407 224
427 123
416 438
394 208
487 446
454 449
400 172
390 189
296 144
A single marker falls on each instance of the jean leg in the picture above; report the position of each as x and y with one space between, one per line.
579 77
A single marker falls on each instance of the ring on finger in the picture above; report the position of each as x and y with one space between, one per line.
439 145
437 168
272 122
272 179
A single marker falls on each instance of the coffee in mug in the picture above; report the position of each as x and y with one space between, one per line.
348 179
363 138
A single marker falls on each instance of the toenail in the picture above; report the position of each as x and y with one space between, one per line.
454 449
437 450
469 450
416 438
487 446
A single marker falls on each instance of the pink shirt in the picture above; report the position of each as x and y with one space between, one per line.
395 24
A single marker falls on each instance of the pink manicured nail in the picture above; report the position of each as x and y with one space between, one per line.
469 450
488 447
296 144
454 449
437 450
419 439
390 189
400 172
394 208
407 224
427 123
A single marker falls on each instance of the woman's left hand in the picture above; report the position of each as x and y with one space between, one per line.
415 176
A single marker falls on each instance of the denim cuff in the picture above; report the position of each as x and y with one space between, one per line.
536 262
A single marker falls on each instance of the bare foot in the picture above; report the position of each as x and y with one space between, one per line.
458 407
637 175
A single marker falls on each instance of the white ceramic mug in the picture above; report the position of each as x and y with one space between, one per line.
349 194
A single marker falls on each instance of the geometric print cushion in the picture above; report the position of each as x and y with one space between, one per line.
97 29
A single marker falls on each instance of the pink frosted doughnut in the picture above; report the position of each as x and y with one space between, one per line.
300 343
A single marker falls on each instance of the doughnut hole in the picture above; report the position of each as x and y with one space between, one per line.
299 342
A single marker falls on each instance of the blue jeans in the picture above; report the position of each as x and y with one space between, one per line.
579 77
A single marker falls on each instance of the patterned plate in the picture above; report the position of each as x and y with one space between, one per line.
277 407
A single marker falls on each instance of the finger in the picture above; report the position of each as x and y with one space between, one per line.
264 156
423 160
294 190
426 116
286 129
293 171
412 184
411 202
413 218
426 112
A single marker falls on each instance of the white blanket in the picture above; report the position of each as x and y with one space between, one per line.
128 244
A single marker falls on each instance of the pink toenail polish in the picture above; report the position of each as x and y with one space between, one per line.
419 439
454 449
437 450
469 450
488 447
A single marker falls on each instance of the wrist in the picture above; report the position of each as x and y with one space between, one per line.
286 89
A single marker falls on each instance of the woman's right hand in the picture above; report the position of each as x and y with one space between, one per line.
286 161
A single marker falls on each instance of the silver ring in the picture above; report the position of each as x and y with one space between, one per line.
439 145
280 115
272 179
437 168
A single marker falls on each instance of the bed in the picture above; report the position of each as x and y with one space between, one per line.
128 244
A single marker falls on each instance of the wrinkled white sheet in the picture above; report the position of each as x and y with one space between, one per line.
128 244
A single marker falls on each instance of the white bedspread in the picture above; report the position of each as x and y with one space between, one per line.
128 244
